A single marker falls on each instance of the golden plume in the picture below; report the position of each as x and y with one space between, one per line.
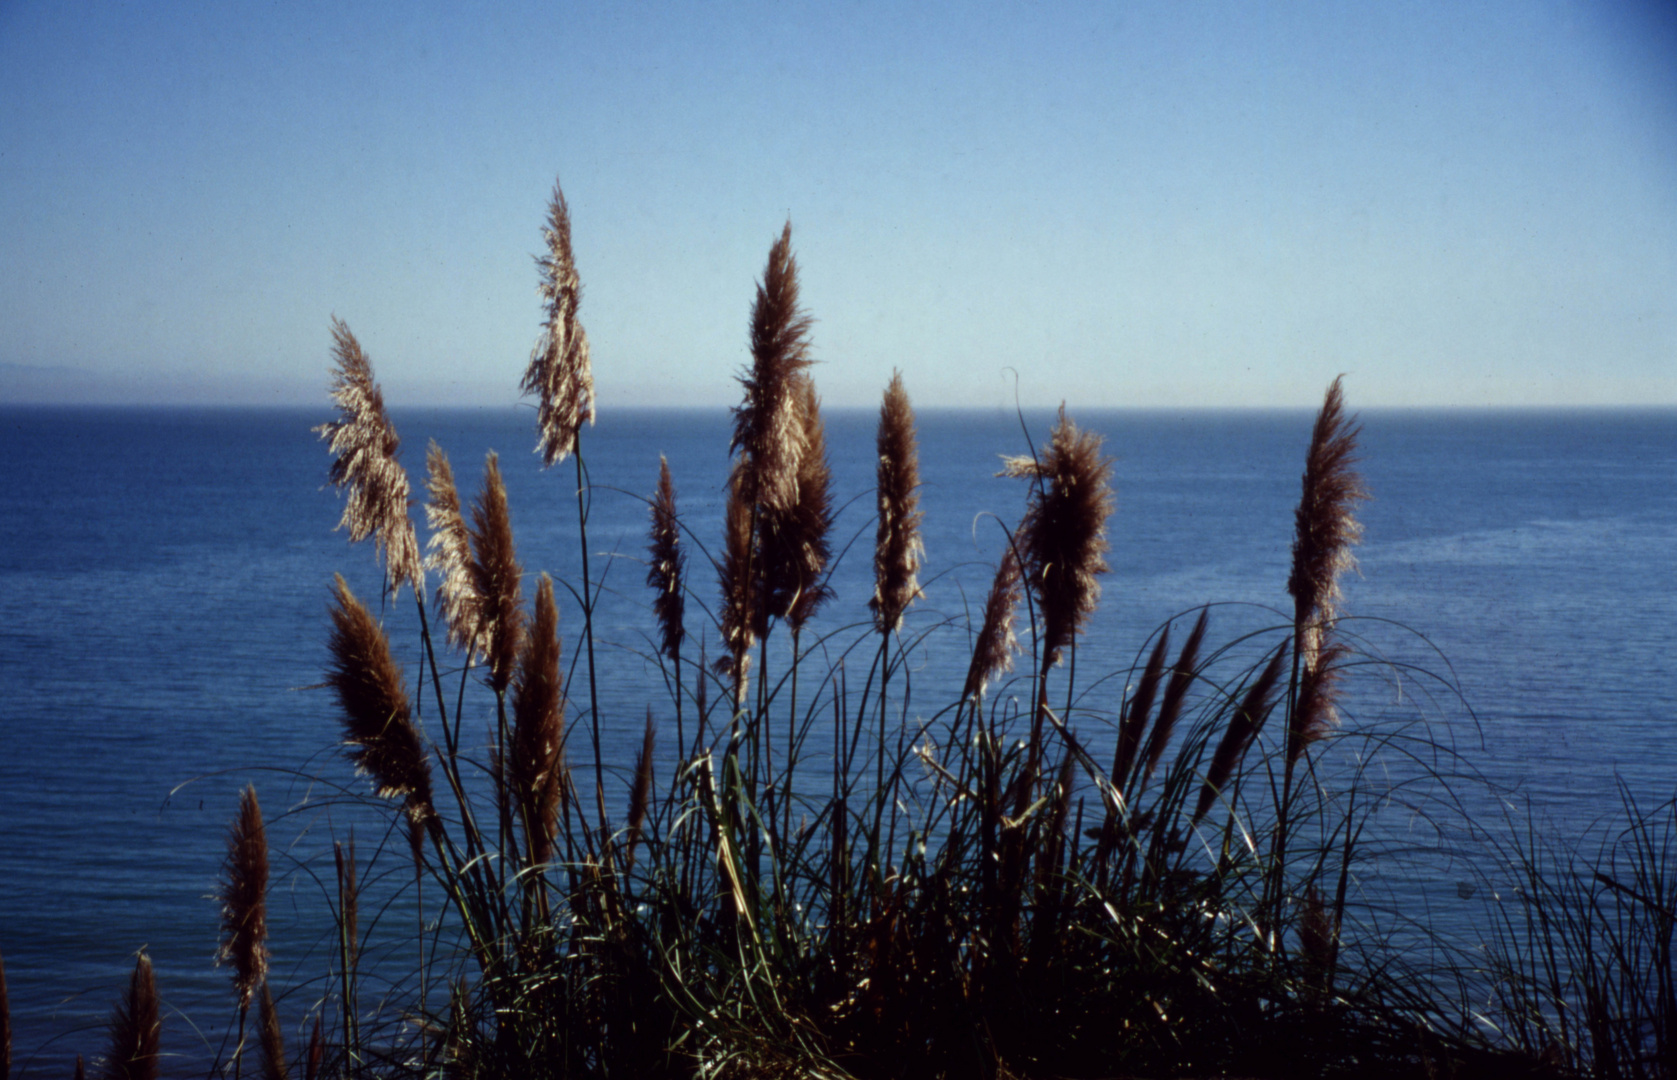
450 555
244 900
766 427
560 374
1062 538
364 445
378 725
897 547
496 574
538 736
795 544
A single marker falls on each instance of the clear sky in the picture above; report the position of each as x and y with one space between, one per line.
1126 204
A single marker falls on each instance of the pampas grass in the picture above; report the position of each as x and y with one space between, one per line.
450 556
496 578
994 649
537 772
364 444
136 1028
767 432
897 547
560 374
244 900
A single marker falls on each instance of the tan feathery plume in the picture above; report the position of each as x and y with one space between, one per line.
272 1038
450 555
667 567
1326 527
897 547
993 652
496 575
378 725
740 609
560 374
364 445
244 900
1243 727
136 1030
538 736
795 543
1062 537
766 424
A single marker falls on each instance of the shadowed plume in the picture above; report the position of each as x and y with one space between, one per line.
667 567
993 652
1135 712
538 736
244 900
496 576
640 793
1243 727
560 374
136 1028
364 445
1063 535
766 426
1176 692
450 549
378 726
897 547
739 616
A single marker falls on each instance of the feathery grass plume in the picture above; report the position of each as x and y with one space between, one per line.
1135 713
378 726
272 1039
740 609
993 652
897 546
766 424
1326 524
538 736
1062 537
244 900
667 569
1314 713
496 574
450 555
81 1070
1244 725
795 544
364 443
5 1025
1176 692
559 373
136 1030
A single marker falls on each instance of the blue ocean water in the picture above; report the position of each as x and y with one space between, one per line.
164 578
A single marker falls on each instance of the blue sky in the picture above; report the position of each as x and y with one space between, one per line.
1147 204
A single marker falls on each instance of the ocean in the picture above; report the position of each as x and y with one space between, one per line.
164 579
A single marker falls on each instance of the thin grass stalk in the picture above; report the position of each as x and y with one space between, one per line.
349 950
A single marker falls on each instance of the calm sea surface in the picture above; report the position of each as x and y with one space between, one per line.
164 579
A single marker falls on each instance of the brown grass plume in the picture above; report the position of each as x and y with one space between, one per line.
994 650
795 542
496 575
897 546
450 549
244 900
538 736
560 374
378 724
766 427
1244 725
272 1038
364 444
666 569
1062 538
